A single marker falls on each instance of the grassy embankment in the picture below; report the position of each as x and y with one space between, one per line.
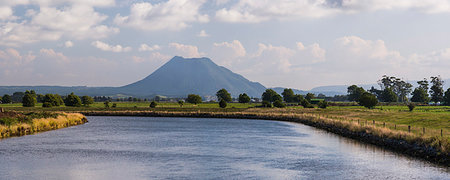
18 124
429 126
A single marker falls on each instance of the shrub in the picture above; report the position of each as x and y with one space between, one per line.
323 104
222 103
72 100
28 100
194 99
47 104
368 100
106 103
411 106
153 104
266 104
114 105
279 104
244 98
181 102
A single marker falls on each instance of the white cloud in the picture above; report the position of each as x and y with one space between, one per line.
171 15
68 44
58 57
106 47
145 47
187 51
254 11
228 53
54 20
202 33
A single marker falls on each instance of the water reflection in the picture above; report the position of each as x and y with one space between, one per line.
180 148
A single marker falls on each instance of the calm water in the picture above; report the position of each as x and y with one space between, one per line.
189 148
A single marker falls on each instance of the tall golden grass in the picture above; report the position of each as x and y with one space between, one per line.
43 124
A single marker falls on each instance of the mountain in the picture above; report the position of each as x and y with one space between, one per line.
181 76
279 90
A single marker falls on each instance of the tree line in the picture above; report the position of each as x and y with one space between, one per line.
393 89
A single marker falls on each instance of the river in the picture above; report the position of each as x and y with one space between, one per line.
192 148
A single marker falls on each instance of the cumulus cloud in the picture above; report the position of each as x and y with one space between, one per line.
202 33
171 15
53 20
251 11
112 48
68 44
145 47
188 51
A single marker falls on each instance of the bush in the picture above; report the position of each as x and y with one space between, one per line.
194 99
368 100
28 100
181 102
106 103
266 104
153 104
305 103
411 106
279 104
244 98
47 104
72 100
323 104
114 105
222 103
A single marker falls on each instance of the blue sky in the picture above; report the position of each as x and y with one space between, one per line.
290 43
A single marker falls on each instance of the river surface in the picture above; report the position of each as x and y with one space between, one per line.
190 148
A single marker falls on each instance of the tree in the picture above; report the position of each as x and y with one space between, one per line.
288 95
244 98
87 100
305 103
447 97
397 85
298 98
153 104
223 94
388 95
50 100
368 100
437 91
423 84
222 103
270 96
355 92
72 100
28 100
309 96
420 95
106 103
17 97
181 102
194 99
279 104
6 99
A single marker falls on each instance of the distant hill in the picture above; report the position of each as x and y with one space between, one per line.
342 89
181 76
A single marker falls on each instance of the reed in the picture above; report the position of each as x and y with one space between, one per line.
62 120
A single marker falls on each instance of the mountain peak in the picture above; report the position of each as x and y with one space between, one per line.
181 76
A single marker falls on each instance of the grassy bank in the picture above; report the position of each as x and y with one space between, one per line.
17 124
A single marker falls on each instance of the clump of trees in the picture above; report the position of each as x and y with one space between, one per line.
29 99
87 100
244 98
51 100
72 100
368 100
223 94
6 99
194 99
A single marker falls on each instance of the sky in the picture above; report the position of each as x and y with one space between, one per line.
286 43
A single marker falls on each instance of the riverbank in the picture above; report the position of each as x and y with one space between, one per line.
20 124
434 149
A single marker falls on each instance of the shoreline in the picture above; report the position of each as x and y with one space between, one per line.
42 124
400 142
